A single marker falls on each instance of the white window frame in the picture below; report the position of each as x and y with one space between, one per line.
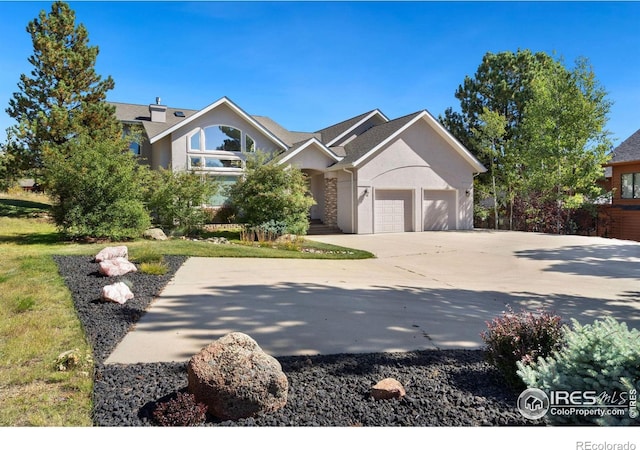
219 154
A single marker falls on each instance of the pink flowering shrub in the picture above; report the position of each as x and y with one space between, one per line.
181 411
524 337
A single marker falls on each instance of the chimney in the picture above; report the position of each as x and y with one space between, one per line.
158 112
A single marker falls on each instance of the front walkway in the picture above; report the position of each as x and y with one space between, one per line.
423 291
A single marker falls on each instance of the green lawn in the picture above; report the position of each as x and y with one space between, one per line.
38 321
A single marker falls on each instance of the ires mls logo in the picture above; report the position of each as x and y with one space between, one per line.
534 403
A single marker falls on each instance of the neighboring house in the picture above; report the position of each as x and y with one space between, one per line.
368 174
624 212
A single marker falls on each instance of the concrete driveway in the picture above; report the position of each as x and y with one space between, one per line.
423 291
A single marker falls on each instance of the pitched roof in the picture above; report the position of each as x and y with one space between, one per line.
299 146
629 150
330 133
127 112
374 136
288 137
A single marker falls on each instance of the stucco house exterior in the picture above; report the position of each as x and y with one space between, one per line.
624 211
368 174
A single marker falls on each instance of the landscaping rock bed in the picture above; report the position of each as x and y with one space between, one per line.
443 387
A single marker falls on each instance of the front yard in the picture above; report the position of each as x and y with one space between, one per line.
38 321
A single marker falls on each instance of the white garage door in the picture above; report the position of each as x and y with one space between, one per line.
393 211
439 210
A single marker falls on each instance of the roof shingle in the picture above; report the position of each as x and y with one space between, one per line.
629 150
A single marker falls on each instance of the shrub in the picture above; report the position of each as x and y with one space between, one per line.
603 357
154 268
176 200
272 193
96 190
521 337
180 411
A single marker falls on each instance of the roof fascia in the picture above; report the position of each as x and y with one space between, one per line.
621 163
343 134
466 155
313 140
212 106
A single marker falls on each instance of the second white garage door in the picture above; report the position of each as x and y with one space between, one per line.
393 211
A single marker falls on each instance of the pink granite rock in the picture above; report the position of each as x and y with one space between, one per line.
117 292
112 252
387 389
116 267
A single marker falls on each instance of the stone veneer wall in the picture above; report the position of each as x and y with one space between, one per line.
330 201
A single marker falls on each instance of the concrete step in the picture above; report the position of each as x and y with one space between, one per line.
319 228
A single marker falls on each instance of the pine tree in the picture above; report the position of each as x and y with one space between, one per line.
63 97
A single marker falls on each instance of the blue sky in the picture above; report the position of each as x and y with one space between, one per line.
308 65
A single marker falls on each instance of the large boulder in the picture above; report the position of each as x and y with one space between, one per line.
108 253
116 267
235 378
155 234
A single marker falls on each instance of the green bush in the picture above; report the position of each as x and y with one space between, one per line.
603 357
272 194
521 337
154 268
96 190
176 200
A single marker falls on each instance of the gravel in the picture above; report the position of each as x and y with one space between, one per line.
444 387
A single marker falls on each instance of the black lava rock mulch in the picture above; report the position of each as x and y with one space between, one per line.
444 387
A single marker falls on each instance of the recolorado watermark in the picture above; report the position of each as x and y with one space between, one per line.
534 404
589 445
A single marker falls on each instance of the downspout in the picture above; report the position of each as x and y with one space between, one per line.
353 211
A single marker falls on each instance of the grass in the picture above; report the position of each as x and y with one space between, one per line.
46 369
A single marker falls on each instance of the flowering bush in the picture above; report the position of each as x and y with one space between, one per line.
181 411
524 337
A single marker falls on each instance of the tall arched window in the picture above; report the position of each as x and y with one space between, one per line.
221 138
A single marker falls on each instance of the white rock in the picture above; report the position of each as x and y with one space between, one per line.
112 252
116 267
117 292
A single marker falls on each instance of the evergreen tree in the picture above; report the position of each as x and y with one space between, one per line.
63 97
552 134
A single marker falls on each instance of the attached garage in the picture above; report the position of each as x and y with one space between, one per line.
393 211
439 210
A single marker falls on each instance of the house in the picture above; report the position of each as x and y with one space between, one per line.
624 211
368 174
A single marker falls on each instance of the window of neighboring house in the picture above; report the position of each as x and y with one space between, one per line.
630 185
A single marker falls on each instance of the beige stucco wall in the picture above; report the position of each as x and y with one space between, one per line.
346 201
161 153
419 159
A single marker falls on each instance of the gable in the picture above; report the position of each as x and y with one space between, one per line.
417 156
374 140
221 111
311 154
